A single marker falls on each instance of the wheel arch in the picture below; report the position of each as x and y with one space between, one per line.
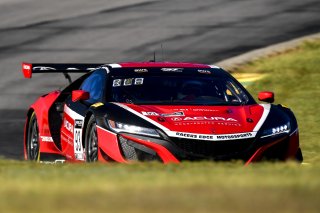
98 114
30 112
85 122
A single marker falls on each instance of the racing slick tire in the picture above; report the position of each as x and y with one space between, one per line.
91 141
33 143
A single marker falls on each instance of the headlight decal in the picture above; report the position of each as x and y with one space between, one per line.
122 127
285 128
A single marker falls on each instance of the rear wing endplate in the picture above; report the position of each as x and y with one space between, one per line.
28 69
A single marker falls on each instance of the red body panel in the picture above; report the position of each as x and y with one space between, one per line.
27 70
162 64
41 108
108 143
203 119
67 137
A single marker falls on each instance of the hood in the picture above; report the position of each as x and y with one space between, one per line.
202 119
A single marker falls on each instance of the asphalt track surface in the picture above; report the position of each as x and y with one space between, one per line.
102 31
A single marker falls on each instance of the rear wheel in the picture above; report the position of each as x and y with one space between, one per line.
33 145
91 141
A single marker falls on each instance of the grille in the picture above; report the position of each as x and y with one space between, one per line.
212 149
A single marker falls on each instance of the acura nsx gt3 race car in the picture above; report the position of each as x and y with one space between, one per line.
162 111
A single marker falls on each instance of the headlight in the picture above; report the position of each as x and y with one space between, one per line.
121 127
285 128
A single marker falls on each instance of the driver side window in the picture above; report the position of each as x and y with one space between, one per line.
95 85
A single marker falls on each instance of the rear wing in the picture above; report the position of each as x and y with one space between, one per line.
28 69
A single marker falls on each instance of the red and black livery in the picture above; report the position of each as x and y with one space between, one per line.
162 111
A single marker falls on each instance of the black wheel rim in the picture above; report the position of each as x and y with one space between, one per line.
92 148
33 143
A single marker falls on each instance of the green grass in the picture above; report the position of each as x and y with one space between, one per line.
153 187
188 187
295 79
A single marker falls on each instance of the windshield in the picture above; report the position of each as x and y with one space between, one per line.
179 90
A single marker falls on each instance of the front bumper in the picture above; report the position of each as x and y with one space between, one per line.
174 150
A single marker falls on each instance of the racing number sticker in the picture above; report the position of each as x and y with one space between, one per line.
78 149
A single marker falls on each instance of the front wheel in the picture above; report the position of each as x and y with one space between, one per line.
91 141
33 145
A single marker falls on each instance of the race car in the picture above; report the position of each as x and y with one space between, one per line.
164 111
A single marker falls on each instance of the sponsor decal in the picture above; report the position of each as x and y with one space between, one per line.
172 69
43 68
150 113
127 82
196 110
140 70
205 110
89 69
207 123
205 118
59 161
46 139
212 137
78 124
181 109
68 126
97 104
138 81
93 68
72 68
27 67
204 71
173 114
79 156
116 82
186 135
235 136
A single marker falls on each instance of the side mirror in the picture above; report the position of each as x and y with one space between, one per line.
266 96
79 95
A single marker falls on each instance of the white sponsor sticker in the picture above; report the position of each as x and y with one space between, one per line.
204 118
150 113
172 69
116 83
128 81
174 114
138 81
46 139
140 70
43 68
209 137
204 71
